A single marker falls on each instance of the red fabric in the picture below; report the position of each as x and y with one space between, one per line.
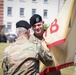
51 69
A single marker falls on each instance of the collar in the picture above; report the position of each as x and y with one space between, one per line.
39 37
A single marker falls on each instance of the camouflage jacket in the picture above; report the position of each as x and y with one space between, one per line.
22 58
41 65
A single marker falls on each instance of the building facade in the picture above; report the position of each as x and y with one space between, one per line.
15 10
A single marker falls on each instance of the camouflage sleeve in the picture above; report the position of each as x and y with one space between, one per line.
4 67
45 56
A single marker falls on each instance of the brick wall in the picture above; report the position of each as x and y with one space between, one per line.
1 11
1 16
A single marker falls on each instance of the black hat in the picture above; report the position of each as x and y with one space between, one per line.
23 23
35 19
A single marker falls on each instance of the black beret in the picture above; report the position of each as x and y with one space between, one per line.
23 23
35 19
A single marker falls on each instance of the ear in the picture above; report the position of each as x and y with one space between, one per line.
28 31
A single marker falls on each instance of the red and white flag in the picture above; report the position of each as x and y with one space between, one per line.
61 39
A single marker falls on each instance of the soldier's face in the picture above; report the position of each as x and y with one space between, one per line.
38 28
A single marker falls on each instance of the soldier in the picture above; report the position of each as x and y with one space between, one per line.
22 57
38 27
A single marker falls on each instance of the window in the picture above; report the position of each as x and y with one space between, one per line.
45 13
9 26
33 11
9 11
45 1
22 0
21 11
34 1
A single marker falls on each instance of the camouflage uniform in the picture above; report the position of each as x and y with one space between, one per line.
22 58
38 39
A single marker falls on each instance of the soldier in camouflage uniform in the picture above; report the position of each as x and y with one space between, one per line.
22 57
38 27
